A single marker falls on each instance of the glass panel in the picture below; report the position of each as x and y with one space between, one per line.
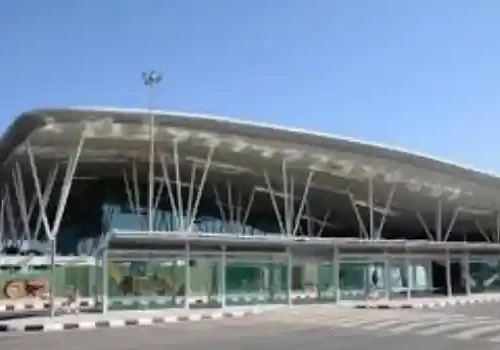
484 275
145 284
352 278
248 283
326 286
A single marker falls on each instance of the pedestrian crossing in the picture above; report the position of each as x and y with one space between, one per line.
389 322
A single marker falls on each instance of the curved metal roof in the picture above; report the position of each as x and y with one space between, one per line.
30 121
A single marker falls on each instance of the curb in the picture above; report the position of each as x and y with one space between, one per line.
126 322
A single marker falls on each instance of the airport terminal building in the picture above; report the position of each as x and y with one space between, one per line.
153 208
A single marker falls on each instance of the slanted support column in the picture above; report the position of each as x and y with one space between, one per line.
2 221
387 208
302 204
425 227
274 203
52 232
289 276
187 275
449 291
222 285
370 205
363 233
452 223
439 221
193 212
21 201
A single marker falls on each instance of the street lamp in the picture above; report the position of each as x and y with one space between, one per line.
150 80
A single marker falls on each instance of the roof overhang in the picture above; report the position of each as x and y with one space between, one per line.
275 244
116 136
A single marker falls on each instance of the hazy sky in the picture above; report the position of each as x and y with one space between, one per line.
422 75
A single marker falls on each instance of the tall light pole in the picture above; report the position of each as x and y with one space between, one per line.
150 80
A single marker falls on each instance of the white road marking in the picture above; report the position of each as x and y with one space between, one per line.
477 331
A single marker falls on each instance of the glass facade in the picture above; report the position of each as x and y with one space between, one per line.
97 207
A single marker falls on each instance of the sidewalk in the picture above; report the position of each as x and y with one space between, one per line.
117 319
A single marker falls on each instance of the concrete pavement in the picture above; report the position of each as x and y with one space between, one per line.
283 329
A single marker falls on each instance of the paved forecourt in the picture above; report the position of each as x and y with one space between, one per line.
450 323
313 327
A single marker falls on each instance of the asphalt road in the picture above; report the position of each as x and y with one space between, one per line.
312 328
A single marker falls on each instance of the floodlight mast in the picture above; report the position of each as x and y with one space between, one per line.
150 80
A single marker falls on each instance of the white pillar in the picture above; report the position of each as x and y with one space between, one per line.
52 285
387 279
289 277
336 274
409 275
222 285
187 275
466 271
105 281
449 292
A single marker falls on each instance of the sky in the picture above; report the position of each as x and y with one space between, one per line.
421 75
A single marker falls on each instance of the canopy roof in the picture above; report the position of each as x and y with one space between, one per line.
121 241
245 149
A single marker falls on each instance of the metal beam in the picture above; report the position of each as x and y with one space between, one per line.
323 223
249 206
439 221
370 208
192 180
178 180
47 192
10 216
201 186
222 209
166 178
302 204
284 174
482 231
385 212
38 190
21 200
2 220
362 227
452 223
137 196
424 225
274 203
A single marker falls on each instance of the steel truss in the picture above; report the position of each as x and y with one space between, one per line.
373 231
290 216
442 233
184 212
